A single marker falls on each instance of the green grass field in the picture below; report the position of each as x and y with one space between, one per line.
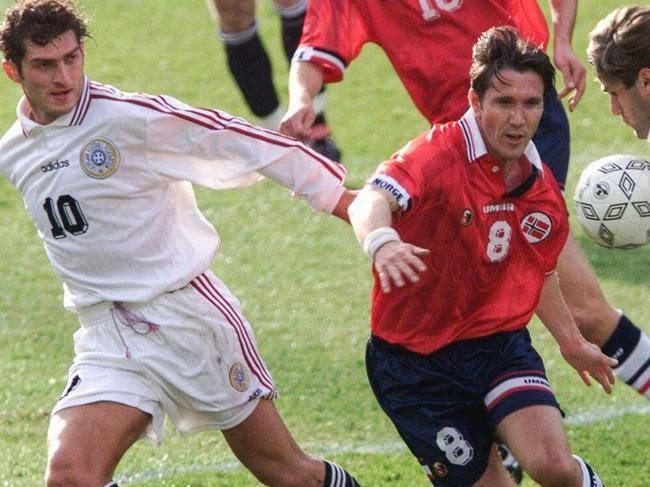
303 280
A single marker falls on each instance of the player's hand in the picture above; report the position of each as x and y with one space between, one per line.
573 72
398 263
589 361
298 120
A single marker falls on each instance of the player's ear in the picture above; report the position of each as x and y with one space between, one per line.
11 70
644 82
474 102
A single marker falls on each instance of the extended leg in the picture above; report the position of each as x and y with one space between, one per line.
600 322
85 443
247 58
536 436
280 462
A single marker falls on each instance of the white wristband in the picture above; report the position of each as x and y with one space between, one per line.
377 238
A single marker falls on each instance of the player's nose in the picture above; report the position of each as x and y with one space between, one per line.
615 106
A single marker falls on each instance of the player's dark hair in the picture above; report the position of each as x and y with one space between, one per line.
619 45
40 22
502 48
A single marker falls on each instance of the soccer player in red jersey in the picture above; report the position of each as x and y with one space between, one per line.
432 58
465 225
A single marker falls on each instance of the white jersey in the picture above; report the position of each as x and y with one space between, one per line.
109 187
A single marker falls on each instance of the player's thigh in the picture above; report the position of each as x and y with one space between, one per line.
536 436
440 417
233 15
265 446
552 138
93 437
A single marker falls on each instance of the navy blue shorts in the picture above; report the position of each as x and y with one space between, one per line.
446 405
552 137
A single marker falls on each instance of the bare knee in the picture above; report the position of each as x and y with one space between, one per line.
555 470
235 15
302 472
66 472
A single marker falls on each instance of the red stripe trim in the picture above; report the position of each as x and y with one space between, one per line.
277 137
645 387
203 285
240 335
233 318
323 58
217 121
82 105
514 390
239 320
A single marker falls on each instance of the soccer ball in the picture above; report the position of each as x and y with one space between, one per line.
612 201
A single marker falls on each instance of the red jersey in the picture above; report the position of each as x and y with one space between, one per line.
428 42
490 249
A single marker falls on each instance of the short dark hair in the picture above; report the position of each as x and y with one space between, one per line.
619 45
40 22
502 48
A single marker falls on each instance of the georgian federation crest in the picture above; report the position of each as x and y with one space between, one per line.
99 158
536 226
239 377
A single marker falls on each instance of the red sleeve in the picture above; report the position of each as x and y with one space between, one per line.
404 175
333 35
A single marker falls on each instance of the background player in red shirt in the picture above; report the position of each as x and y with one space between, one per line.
432 58
465 226
250 64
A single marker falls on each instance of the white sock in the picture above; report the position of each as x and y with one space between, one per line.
635 370
272 120
589 477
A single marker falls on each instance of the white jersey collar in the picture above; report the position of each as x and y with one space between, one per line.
476 146
70 119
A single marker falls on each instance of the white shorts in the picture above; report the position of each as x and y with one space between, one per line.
189 354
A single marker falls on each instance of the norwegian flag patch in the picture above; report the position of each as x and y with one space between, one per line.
536 226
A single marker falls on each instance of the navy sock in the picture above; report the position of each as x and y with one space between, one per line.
631 347
250 65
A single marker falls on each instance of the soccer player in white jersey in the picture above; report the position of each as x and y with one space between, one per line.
619 50
107 176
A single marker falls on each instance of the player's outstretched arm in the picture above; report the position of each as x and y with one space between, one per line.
563 13
341 208
396 262
305 81
583 356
